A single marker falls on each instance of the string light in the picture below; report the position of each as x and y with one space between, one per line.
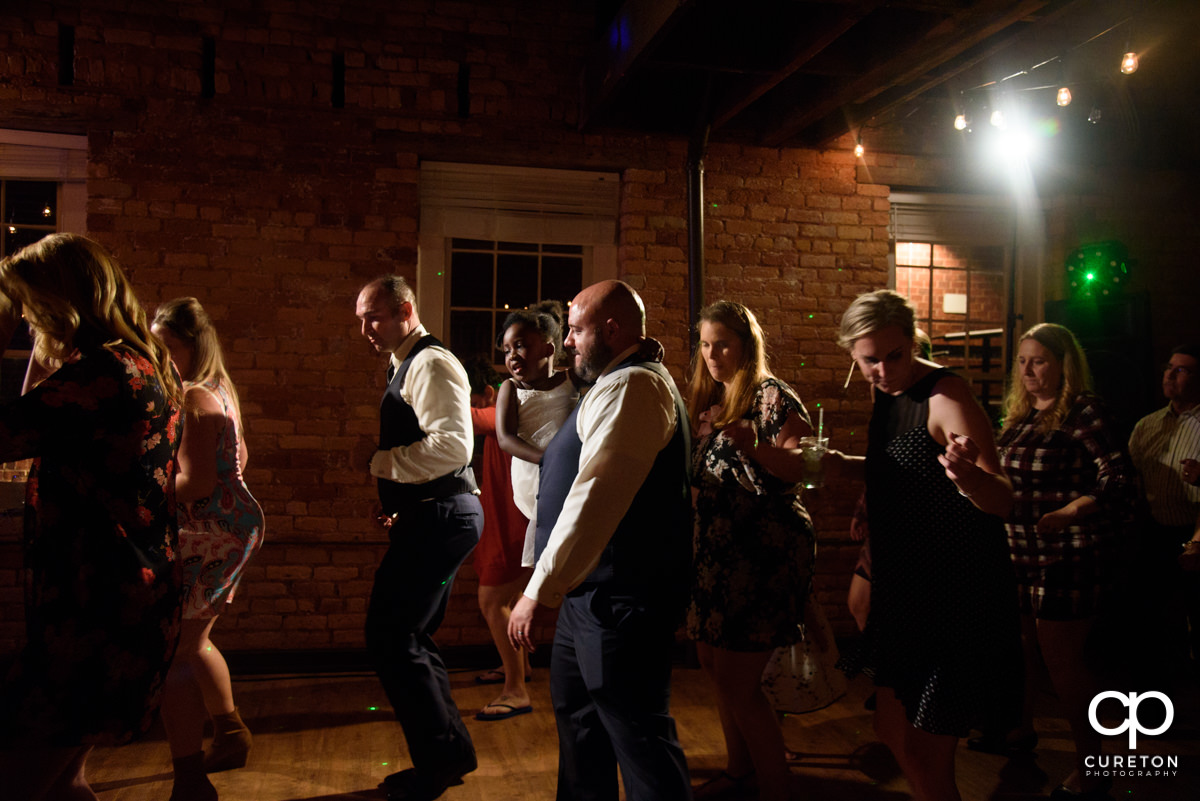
47 211
858 148
1063 95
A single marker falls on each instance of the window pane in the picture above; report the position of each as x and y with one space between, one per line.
949 293
471 244
22 237
562 278
913 253
516 281
987 299
913 283
522 247
577 249
471 334
31 202
471 279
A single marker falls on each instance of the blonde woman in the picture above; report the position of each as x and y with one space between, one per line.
220 528
754 541
941 639
1073 484
102 428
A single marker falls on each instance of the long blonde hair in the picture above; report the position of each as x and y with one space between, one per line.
187 320
704 391
76 297
1076 378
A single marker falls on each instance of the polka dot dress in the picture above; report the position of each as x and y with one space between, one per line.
943 630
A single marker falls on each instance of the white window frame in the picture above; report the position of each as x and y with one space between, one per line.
511 204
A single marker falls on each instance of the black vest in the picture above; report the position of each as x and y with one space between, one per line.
398 426
651 551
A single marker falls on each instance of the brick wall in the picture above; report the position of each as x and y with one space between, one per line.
273 206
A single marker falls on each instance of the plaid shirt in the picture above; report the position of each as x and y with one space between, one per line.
1048 471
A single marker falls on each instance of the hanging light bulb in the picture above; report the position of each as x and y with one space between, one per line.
47 211
997 118
1094 115
960 122
1064 96
1129 63
858 148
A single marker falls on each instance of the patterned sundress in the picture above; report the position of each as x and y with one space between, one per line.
219 534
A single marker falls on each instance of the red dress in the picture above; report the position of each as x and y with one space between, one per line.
497 557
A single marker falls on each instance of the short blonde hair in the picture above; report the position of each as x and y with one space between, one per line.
872 311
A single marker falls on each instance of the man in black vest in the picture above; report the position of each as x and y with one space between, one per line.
613 547
429 504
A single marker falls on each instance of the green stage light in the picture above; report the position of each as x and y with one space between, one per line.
1097 270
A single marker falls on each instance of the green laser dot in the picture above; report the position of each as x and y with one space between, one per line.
372 708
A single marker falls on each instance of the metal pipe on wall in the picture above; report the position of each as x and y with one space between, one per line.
697 147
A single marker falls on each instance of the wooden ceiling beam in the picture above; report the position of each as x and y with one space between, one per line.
636 30
941 43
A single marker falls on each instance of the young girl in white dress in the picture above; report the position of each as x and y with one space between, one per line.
532 405
530 408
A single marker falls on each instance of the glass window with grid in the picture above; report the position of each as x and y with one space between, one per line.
29 210
959 292
487 280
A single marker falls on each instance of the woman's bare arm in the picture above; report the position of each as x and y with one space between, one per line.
506 426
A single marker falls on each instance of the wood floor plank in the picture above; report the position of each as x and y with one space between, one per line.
333 738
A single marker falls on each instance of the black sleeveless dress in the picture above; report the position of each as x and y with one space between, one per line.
943 630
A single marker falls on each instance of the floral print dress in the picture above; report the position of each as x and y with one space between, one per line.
219 534
754 541
103 586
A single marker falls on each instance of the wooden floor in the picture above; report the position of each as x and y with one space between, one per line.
332 738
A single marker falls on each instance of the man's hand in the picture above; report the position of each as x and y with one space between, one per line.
520 623
383 520
1190 471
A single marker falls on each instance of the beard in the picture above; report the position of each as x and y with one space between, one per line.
590 363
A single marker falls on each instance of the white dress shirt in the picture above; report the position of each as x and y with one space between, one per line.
436 388
623 423
1158 443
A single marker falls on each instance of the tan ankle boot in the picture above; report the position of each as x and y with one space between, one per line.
230 744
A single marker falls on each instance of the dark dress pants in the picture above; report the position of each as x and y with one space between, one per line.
429 541
610 681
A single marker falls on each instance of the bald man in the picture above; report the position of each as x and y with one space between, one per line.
613 548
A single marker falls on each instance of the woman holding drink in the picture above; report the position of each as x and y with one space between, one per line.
754 541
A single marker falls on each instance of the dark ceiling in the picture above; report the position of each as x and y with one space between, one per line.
804 73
